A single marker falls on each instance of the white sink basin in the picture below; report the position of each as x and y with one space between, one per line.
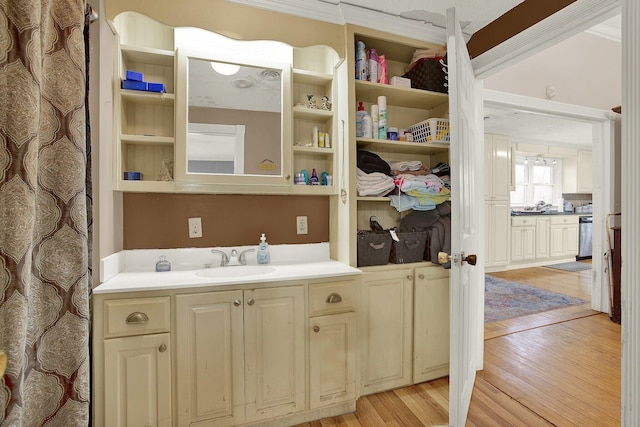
235 271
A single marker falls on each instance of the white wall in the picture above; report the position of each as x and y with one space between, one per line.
585 69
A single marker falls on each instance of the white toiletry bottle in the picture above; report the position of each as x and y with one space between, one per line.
263 251
163 264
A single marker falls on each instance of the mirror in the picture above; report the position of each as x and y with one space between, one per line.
233 113
234 119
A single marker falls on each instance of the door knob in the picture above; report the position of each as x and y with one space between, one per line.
444 257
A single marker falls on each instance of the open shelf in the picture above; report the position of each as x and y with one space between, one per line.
407 97
402 146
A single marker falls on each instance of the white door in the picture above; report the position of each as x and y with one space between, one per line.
466 297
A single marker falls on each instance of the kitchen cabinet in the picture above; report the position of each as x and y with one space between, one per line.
497 230
332 343
214 331
404 324
564 236
523 239
498 167
542 237
498 177
405 107
145 127
585 171
137 362
577 173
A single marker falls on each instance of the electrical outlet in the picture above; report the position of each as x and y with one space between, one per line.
195 227
301 225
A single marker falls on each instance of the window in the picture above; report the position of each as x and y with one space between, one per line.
537 179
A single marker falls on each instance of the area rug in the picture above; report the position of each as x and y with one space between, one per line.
571 266
504 299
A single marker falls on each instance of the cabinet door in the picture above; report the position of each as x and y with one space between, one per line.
274 351
517 243
585 173
431 324
386 330
571 240
209 367
332 359
138 381
542 238
557 246
529 243
501 167
498 233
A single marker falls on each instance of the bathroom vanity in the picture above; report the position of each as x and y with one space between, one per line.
225 345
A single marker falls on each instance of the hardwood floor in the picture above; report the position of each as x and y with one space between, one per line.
558 368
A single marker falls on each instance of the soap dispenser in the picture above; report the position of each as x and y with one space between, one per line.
163 264
263 251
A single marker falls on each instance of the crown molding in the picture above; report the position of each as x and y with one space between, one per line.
337 13
573 19
606 32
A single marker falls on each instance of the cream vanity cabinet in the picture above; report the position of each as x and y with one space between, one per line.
543 229
564 236
332 343
403 323
136 356
240 355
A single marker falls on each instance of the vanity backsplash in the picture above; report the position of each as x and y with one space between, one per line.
160 221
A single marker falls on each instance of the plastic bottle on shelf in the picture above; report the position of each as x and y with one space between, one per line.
314 178
382 117
362 66
383 71
373 66
367 126
375 116
359 119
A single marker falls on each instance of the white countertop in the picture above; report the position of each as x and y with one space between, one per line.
130 271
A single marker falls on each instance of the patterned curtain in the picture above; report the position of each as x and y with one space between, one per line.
44 280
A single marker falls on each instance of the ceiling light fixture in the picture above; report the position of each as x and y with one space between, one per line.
526 161
225 69
242 82
555 161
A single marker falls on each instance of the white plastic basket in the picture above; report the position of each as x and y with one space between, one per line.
431 130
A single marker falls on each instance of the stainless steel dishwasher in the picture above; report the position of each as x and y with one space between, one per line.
585 230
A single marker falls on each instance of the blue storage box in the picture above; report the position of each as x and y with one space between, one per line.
134 85
134 75
133 176
156 87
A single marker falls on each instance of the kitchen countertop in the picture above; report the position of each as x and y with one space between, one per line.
531 213
130 271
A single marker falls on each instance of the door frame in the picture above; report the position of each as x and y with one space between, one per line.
603 182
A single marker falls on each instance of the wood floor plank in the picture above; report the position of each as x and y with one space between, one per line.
557 368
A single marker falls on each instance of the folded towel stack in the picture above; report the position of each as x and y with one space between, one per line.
375 184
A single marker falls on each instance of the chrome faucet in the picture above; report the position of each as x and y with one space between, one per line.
234 258
224 260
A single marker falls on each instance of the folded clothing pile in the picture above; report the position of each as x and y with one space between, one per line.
375 184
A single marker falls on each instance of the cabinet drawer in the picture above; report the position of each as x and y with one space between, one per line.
564 219
331 297
136 316
521 222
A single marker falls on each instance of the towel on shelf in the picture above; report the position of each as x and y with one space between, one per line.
406 165
421 171
373 184
427 184
403 202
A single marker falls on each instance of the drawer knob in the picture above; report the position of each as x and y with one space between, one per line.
237 303
137 318
421 276
162 348
251 301
409 277
316 329
334 298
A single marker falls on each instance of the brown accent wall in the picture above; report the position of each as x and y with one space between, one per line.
160 221
518 19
